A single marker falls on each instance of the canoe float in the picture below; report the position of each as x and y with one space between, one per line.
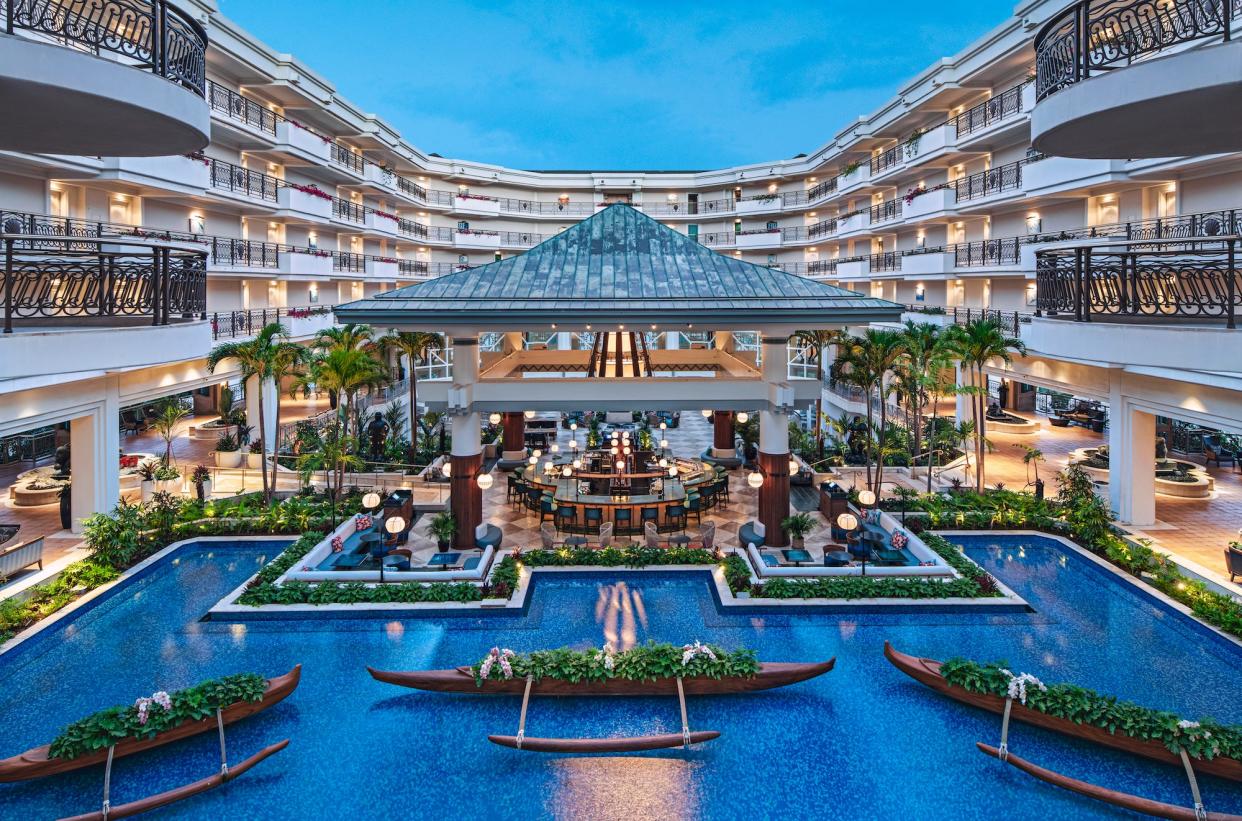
36 763
461 680
603 745
927 671
1118 799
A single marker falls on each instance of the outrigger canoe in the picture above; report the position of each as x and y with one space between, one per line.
461 680
37 763
1118 799
927 671
603 745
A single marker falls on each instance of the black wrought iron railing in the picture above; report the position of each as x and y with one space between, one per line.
348 211
1160 279
410 188
821 267
1092 36
885 261
411 228
151 34
821 190
823 228
233 324
1000 107
342 156
229 177
689 208
520 239
347 262
889 159
713 239
413 267
535 208
242 109
1002 251
885 211
244 253
996 180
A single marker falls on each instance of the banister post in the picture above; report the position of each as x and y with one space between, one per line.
1232 285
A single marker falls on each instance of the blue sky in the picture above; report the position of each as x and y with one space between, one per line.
622 85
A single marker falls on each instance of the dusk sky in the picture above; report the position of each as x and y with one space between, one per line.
632 85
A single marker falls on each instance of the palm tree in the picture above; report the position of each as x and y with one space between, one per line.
924 358
975 345
349 337
869 360
334 456
1031 457
414 345
287 361
170 415
254 359
344 371
815 344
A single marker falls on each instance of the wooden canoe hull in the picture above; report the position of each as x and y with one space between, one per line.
602 745
1118 799
927 671
36 763
461 680
181 793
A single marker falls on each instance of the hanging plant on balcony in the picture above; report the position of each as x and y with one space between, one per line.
385 215
200 156
912 142
314 252
850 167
312 189
466 196
393 260
323 137
913 193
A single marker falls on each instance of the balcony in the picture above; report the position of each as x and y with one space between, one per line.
821 191
852 268
715 239
931 142
993 116
306 202
297 139
484 240
346 262
854 178
249 116
990 185
1129 79
342 157
852 223
887 161
352 213
758 238
382 267
176 172
242 254
520 239
534 208
883 213
123 78
476 204
760 204
927 263
384 222
304 262
1065 175
225 177
938 202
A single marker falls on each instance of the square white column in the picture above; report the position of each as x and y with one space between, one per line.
271 397
1131 463
94 459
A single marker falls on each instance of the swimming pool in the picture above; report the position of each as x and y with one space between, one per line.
864 741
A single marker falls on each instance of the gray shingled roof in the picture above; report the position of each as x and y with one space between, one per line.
619 265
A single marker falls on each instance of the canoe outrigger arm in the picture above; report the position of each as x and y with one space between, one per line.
1003 749
1200 810
685 723
522 721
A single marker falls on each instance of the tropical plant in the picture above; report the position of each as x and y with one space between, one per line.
227 444
413 345
1031 457
975 345
923 360
199 476
815 343
169 416
645 662
345 371
798 525
286 362
868 361
335 456
443 526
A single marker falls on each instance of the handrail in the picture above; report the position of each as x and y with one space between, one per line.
154 34
249 321
230 177
1097 35
992 110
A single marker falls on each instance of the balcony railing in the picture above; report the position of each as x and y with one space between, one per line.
1003 251
1006 177
821 267
1092 36
520 239
233 324
884 261
243 253
348 211
885 211
239 108
412 268
551 209
1159 279
822 189
345 158
150 34
229 177
1003 106
823 228
409 188
114 277
691 208
714 239
347 262
411 228
889 159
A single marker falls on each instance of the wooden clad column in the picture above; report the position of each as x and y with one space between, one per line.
465 497
514 432
774 497
722 439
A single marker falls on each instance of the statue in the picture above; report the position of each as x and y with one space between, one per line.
62 462
1162 449
377 429
856 436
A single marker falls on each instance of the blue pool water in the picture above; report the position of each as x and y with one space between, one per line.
863 741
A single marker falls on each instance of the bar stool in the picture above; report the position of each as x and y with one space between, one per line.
593 517
649 514
623 520
675 517
515 488
694 507
547 509
566 517
533 495
722 488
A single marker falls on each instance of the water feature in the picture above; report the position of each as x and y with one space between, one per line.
863 741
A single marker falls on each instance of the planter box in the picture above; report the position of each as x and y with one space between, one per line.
853 268
382 270
301 141
375 222
475 239
254 461
291 199
763 239
295 263
228 458
939 201
471 205
757 206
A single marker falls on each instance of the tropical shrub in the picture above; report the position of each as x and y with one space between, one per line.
646 662
630 556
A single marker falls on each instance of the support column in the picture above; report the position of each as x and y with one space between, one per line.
962 377
94 458
722 435
514 436
466 457
271 397
1131 463
774 446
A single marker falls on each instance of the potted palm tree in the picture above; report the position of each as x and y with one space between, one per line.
797 526
443 527
228 452
201 477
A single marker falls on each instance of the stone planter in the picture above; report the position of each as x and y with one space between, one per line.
148 489
742 594
228 458
206 489
1027 427
254 461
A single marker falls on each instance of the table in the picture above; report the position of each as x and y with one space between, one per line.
444 560
350 561
839 558
797 556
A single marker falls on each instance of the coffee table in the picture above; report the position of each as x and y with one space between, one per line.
350 561
840 558
797 556
444 560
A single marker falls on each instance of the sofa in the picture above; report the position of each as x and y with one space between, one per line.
18 557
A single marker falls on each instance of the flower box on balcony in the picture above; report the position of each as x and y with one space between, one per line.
382 267
382 177
938 201
476 204
758 205
476 239
763 238
930 142
384 221
306 263
303 201
298 139
854 178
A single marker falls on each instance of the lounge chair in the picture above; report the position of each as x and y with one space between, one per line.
1233 562
547 534
651 536
605 536
708 536
1215 451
